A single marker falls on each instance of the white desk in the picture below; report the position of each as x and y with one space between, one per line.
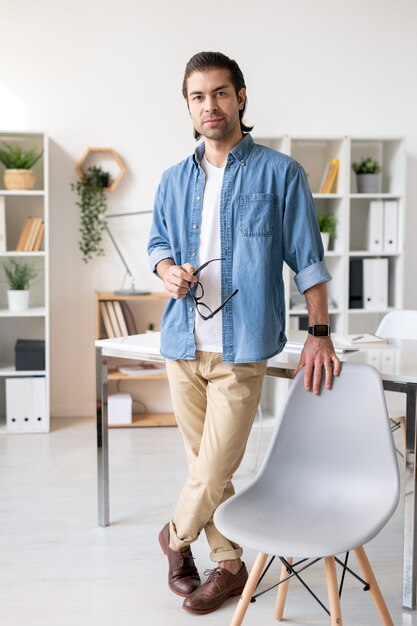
397 364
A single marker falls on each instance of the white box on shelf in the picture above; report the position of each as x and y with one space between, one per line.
119 409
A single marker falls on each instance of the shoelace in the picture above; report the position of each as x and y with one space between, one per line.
213 574
186 559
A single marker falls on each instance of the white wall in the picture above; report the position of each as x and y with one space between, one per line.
96 73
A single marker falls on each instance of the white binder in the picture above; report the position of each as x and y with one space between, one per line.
39 403
375 284
19 404
391 226
376 226
3 244
26 404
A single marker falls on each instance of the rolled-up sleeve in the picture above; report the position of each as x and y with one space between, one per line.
159 247
303 247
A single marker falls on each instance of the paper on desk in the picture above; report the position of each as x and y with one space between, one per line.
142 368
357 340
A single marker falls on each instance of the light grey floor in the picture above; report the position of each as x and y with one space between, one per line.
58 568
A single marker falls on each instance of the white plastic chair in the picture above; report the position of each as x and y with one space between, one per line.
401 324
328 484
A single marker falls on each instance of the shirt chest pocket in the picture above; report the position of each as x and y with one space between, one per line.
257 214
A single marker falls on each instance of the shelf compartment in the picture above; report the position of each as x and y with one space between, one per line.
314 155
390 154
17 209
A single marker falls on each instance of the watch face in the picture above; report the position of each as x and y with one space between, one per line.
321 330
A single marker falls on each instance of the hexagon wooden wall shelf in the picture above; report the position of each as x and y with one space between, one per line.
115 156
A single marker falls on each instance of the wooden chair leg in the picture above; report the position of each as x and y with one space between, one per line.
250 587
333 591
377 597
282 592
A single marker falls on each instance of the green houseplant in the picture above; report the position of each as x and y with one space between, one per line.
367 172
327 225
19 276
18 163
92 202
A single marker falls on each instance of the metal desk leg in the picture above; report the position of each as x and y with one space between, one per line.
410 543
102 439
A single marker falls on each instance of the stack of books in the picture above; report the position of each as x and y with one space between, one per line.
117 318
31 236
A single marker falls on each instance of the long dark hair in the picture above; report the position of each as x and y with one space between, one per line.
203 61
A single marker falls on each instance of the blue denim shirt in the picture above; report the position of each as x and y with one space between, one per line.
267 216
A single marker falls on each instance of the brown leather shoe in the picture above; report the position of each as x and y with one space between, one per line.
183 577
219 586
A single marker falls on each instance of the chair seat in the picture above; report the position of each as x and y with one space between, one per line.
298 530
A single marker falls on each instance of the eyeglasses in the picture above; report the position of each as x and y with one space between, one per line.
197 293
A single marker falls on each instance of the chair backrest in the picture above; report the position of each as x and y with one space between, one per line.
335 450
401 324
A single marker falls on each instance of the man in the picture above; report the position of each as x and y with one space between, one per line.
225 219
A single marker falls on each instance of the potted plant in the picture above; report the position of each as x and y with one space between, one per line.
18 163
327 225
368 177
92 201
19 275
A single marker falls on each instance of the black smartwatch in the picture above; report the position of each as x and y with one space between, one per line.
319 330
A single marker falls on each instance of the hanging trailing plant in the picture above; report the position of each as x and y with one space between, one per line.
92 201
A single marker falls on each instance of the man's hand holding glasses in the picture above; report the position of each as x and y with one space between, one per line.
181 279
176 278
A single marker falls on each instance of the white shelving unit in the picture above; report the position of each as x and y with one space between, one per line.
351 210
33 323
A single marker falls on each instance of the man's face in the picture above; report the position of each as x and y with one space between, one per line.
213 104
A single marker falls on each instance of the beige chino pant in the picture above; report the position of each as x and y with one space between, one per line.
215 404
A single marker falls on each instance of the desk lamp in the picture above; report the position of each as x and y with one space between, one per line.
123 292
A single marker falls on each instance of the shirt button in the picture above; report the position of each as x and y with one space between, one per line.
190 309
198 198
192 253
194 225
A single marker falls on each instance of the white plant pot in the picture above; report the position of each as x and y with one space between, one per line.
325 237
18 299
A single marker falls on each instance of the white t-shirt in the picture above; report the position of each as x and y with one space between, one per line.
208 333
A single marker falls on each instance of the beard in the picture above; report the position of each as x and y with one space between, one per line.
217 133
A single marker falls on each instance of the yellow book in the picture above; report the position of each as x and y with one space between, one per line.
24 234
329 180
33 233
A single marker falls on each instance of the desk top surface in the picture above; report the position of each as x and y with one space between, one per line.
396 361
